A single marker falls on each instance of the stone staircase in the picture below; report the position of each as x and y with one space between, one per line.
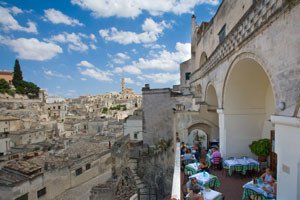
141 186
132 164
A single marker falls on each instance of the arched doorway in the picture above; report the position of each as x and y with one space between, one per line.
248 104
198 135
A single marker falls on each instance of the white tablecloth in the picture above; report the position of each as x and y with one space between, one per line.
240 161
211 194
203 177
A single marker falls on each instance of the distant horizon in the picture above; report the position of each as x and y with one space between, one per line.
78 47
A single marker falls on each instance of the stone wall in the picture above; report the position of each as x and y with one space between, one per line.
157 171
158 115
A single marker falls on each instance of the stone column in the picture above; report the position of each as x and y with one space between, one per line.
222 132
287 137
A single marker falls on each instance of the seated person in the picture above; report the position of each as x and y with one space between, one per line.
194 194
182 148
215 156
203 167
271 189
267 177
190 184
188 155
196 151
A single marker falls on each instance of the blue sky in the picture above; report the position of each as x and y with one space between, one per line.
84 47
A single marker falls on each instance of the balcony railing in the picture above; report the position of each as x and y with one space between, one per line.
176 189
258 14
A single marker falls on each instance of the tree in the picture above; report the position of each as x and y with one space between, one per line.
4 86
28 88
17 77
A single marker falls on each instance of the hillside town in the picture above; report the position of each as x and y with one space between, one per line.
53 140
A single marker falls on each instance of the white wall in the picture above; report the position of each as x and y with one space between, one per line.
4 145
134 126
287 137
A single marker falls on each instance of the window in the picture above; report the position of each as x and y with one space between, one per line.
58 107
135 135
222 34
88 166
78 171
187 76
41 192
23 197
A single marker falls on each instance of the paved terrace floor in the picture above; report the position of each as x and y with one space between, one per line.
231 186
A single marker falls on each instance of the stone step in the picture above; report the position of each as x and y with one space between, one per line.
138 182
141 185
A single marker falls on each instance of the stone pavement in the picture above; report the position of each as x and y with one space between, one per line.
82 192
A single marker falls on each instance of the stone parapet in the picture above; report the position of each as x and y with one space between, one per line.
254 19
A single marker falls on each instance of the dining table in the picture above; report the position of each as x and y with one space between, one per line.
209 194
241 165
207 180
256 190
191 169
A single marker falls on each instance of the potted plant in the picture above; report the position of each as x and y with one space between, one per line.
261 148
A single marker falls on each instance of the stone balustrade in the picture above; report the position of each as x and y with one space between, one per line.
258 14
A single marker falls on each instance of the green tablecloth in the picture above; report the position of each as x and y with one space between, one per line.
209 180
242 167
214 182
191 169
247 193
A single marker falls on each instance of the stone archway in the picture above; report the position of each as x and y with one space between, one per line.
198 135
211 96
248 103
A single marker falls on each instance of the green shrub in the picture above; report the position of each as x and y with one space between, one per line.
261 147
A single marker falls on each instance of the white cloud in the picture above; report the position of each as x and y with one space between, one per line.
15 10
72 39
8 22
163 77
50 73
88 69
129 81
85 63
83 79
32 49
93 46
162 60
120 58
57 17
152 31
154 46
133 8
96 74
129 69
93 37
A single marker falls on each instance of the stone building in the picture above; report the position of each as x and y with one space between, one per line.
48 175
10 123
7 75
57 111
242 82
133 126
4 144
